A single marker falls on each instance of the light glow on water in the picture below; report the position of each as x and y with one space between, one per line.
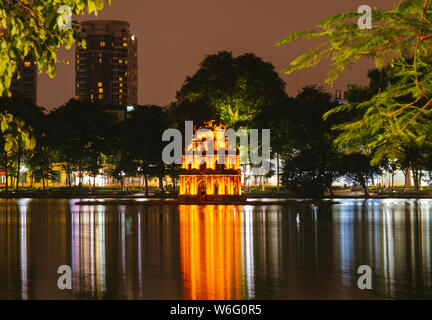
216 252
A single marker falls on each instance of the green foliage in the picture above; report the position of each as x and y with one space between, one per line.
31 26
399 42
15 134
139 145
310 160
82 132
234 89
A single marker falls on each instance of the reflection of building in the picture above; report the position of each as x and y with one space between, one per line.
211 252
26 85
210 175
107 70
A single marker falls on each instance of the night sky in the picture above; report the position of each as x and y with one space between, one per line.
175 35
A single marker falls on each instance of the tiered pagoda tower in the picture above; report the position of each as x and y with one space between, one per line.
204 178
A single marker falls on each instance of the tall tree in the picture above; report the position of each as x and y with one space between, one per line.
13 135
83 132
310 157
236 89
141 142
399 38
33 118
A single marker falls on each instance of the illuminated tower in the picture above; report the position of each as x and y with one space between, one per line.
203 177
107 70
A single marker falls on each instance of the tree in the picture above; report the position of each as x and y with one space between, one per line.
357 168
235 89
14 135
32 26
199 111
413 155
34 120
41 163
82 132
310 157
140 147
400 40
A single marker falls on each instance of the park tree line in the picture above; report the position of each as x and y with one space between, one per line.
242 92
83 136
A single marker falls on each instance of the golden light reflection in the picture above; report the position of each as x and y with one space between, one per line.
210 247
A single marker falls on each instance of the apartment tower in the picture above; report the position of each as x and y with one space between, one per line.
107 70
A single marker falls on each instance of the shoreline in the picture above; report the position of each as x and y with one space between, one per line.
249 196
173 202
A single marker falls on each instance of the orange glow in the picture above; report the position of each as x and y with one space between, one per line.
210 247
202 174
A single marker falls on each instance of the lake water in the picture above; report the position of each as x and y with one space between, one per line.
216 252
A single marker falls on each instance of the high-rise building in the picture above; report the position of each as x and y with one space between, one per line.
107 70
26 84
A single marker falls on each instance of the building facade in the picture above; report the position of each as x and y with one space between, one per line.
25 85
204 176
107 70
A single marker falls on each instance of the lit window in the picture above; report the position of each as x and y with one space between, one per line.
77 85
102 43
76 97
124 44
121 90
120 79
91 96
124 38
121 85
77 61
99 84
100 60
77 55
77 67
120 61
100 96
125 73
27 64
126 61
100 90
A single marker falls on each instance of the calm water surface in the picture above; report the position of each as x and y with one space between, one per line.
216 252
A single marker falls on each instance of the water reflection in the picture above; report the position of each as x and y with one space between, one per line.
211 246
215 252
88 250
23 246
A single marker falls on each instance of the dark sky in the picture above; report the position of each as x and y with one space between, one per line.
175 35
